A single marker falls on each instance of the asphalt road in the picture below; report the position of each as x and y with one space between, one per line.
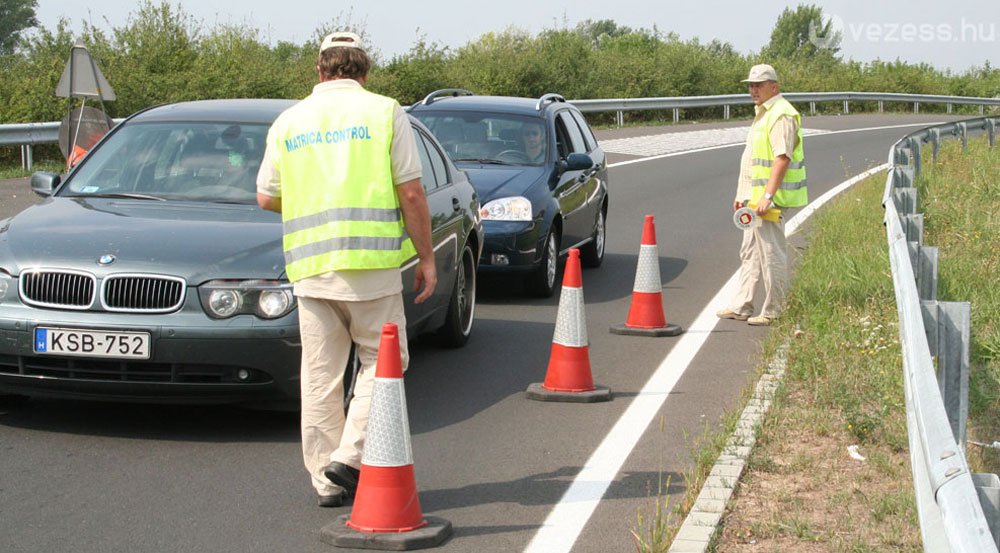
96 477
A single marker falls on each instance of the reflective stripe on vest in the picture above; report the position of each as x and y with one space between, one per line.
339 204
793 190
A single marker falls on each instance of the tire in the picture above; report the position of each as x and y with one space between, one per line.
462 306
592 253
542 281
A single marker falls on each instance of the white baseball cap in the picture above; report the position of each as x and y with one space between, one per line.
342 39
761 73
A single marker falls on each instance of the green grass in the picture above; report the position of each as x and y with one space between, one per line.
960 199
13 172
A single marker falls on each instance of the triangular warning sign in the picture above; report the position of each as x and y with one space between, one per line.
82 78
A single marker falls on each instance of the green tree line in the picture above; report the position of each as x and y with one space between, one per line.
162 54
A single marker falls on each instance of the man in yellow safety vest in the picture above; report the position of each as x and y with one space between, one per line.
772 175
342 168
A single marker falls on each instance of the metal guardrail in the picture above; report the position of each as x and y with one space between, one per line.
28 134
957 509
725 101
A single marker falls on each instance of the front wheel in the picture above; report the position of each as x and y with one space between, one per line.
462 307
592 253
542 282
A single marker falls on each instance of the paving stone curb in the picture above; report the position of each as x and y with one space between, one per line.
698 528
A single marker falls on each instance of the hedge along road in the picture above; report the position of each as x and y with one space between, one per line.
111 477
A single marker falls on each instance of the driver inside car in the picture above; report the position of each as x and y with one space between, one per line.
534 142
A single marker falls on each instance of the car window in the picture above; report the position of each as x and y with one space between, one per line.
488 138
436 159
214 162
427 178
588 134
576 142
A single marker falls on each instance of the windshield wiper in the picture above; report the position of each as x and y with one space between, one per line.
485 161
128 195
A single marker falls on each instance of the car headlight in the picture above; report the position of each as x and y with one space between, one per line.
5 281
514 208
267 299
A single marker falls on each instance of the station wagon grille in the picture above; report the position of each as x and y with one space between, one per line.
133 293
142 293
64 289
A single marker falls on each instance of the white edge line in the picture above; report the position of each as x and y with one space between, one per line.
813 136
568 517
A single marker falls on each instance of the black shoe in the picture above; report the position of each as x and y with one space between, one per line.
335 500
344 476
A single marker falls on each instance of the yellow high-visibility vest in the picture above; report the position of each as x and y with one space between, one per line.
792 192
338 203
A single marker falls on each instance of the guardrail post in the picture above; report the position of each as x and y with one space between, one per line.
988 489
913 225
947 325
905 200
963 129
26 157
916 146
812 108
677 114
916 107
949 108
620 118
924 260
904 176
991 131
934 135
904 157
725 112
847 108
881 107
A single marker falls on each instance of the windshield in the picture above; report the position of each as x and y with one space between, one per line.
213 162
491 138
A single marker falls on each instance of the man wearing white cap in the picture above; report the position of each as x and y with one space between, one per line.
772 175
342 168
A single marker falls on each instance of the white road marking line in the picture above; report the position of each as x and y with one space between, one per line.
815 136
567 519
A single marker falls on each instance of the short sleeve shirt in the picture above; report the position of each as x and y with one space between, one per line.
355 285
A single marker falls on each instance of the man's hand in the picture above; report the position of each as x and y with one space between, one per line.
763 205
426 276
737 204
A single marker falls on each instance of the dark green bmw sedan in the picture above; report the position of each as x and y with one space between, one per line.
150 274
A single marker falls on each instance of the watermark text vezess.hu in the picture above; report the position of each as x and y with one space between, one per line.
837 30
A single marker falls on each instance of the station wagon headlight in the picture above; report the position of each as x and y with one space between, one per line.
514 208
267 299
5 280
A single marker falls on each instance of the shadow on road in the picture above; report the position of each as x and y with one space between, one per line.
547 488
217 424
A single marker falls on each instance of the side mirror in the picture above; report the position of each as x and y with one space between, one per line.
577 162
43 183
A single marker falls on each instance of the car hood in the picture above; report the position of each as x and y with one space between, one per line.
194 241
492 182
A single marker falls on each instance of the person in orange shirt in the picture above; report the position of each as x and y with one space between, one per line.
80 150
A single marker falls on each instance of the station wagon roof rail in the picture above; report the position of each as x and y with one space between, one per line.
548 98
445 92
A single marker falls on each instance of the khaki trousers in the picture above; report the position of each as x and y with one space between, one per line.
327 328
763 256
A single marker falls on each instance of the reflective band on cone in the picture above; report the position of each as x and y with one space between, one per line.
568 377
645 314
386 513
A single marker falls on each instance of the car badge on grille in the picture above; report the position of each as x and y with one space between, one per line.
106 259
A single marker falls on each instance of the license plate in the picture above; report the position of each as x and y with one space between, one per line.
92 343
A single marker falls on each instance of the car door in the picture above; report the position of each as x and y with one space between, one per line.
446 227
574 186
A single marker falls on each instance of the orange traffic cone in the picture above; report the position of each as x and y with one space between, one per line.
568 377
386 513
645 316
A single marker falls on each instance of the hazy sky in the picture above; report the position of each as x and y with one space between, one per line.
952 34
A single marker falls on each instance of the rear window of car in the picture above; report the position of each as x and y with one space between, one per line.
486 137
176 160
